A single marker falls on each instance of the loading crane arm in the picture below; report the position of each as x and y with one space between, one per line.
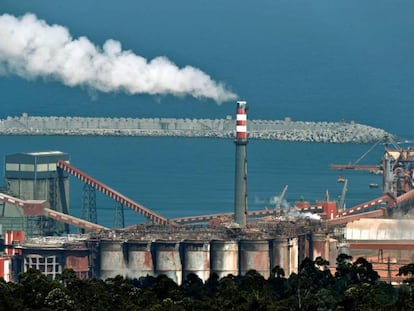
343 194
356 166
281 197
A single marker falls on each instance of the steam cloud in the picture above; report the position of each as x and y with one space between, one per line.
30 48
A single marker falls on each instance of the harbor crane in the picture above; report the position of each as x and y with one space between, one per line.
341 205
356 166
281 197
396 167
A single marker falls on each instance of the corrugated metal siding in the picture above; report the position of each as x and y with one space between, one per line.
380 229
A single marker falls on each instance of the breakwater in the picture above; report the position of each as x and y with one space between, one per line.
282 130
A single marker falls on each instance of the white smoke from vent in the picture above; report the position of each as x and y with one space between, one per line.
310 216
30 48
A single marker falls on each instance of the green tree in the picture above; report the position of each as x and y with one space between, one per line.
278 272
194 287
35 287
328 299
10 296
166 288
406 297
364 271
278 283
229 296
212 285
343 273
256 290
57 299
367 297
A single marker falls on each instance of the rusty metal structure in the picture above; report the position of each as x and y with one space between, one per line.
42 208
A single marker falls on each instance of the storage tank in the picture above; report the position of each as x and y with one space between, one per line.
333 252
293 256
305 246
319 245
196 259
254 255
280 253
167 260
112 259
140 262
224 256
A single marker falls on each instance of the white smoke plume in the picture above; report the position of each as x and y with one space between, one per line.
30 48
310 216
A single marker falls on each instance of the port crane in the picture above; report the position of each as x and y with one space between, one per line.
397 169
279 200
341 205
396 166
356 166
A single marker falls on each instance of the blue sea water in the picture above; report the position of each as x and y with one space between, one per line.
309 60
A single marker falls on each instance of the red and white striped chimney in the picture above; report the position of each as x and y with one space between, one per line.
241 120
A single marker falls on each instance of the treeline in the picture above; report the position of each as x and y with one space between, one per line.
353 286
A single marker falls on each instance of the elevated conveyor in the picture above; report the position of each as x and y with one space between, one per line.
378 213
115 195
379 206
41 208
369 168
406 197
384 200
374 208
77 222
29 207
204 218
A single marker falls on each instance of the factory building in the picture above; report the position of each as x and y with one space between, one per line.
386 243
175 254
34 176
135 256
50 255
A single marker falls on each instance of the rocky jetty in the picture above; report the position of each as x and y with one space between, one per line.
282 130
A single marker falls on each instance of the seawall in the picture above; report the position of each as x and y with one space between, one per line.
282 130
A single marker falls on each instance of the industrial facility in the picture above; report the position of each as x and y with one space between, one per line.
36 216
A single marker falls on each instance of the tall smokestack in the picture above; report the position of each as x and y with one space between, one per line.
240 189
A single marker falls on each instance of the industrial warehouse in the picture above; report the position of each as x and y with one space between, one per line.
36 216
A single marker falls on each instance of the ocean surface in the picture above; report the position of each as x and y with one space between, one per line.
308 60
